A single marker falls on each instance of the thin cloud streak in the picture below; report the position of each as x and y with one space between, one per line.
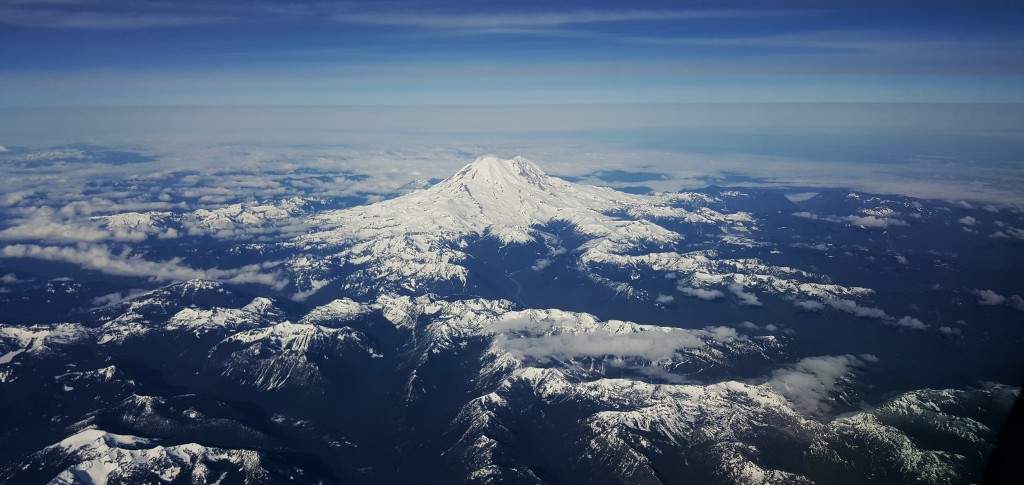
124 263
511 22
106 15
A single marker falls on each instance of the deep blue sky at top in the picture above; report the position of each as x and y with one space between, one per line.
165 52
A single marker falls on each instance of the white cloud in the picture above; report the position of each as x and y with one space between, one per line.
14 198
809 383
100 258
949 331
874 222
87 15
43 227
850 306
1008 232
650 345
800 196
701 293
748 299
809 305
968 221
11 278
862 221
68 226
722 333
525 22
114 298
541 264
564 336
664 299
771 327
911 322
1016 302
989 297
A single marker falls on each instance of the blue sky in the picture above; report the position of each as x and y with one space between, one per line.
117 53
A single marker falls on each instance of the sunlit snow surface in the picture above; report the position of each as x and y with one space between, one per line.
504 325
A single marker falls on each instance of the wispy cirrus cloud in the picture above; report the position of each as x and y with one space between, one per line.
110 15
120 15
524 22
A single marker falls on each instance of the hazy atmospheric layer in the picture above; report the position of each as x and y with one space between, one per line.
947 151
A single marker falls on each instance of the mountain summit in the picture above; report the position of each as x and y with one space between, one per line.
490 170
489 197
421 236
504 198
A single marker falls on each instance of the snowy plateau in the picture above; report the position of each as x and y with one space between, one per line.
508 326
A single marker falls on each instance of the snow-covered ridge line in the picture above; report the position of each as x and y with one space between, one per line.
421 237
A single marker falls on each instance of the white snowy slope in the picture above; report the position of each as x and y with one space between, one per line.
500 339
580 342
287 356
19 342
248 220
137 226
90 380
242 221
257 347
533 361
886 443
724 429
422 238
97 457
274 354
167 309
336 311
416 239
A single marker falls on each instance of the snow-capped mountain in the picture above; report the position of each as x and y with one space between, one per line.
419 238
504 325
625 396
431 240
94 456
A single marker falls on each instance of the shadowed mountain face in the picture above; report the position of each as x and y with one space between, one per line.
504 325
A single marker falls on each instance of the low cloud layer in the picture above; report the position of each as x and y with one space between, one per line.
652 346
701 293
867 221
855 309
810 383
748 299
991 298
125 263
564 339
